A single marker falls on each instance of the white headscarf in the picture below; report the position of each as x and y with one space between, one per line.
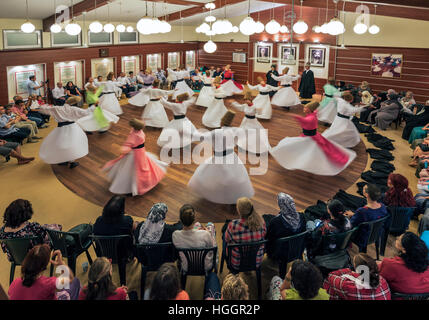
152 228
288 210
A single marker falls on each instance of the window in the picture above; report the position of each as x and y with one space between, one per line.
16 39
128 37
62 39
100 38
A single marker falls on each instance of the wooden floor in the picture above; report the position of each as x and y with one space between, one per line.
89 182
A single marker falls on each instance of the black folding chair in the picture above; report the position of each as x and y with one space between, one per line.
151 257
18 249
288 249
71 246
112 247
195 259
375 231
247 252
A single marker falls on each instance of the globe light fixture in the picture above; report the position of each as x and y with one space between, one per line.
235 29
210 19
120 28
144 25
227 26
259 27
218 27
248 26
73 29
166 27
95 27
360 28
109 28
28 27
284 29
55 28
130 29
204 27
335 27
300 27
272 27
374 29
210 46
324 28
317 29
210 6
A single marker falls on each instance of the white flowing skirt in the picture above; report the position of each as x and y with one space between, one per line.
328 112
303 153
182 87
140 99
89 123
263 103
222 182
64 144
343 132
285 97
205 97
110 103
123 174
154 115
230 88
177 134
256 138
214 114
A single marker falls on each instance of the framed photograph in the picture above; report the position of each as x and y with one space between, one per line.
239 57
153 61
288 54
317 56
386 65
173 60
263 54
103 53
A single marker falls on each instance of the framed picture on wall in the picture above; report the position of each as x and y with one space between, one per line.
288 55
386 65
316 56
239 57
173 60
263 54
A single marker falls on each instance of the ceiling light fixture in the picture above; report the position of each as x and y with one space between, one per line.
27 26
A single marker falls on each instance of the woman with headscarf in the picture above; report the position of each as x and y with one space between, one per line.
388 111
287 223
420 119
374 105
154 229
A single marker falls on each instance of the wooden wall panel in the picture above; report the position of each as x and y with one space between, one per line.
49 56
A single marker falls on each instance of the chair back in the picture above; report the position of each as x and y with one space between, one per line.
195 259
247 252
153 255
374 229
341 240
110 246
410 296
290 248
401 217
58 240
19 247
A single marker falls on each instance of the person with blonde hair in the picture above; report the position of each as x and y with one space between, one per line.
250 227
234 288
135 171
262 100
215 111
328 107
222 178
300 153
286 96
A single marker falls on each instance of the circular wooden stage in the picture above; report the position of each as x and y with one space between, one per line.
89 182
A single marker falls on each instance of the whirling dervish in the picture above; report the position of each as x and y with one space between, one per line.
154 114
206 95
262 101
285 97
228 84
108 100
142 98
215 111
181 85
328 107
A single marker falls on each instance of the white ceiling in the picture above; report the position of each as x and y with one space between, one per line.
37 9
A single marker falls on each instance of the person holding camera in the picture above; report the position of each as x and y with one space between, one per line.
33 86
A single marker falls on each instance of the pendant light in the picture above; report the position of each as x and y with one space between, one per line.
300 26
55 28
335 26
259 26
374 29
360 27
72 28
95 26
144 24
108 27
27 26
165 26
248 25
317 27
272 27
284 28
120 27
324 26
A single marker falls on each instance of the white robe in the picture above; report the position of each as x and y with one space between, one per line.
154 114
181 86
66 143
286 96
108 101
206 95
329 112
215 111
222 178
262 100
90 124
141 98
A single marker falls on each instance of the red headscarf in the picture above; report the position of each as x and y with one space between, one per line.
399 194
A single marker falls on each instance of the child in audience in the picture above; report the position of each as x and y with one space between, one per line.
166 284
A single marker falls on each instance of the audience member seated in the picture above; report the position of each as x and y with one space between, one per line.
125 84
372 211
302 282
375 105
408 272
114 222
217 72
59 94
160 75
33 107
387 113
337 223
72 90
398 194
408 102
249 228
234 288
364 86
12 149
166 285
348 284
287 223
194 235
419 119
17 225
100 284
20 110
24 123
134 83
421 151
33 285
154 229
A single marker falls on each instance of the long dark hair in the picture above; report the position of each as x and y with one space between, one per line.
416 252
166 284
362 259
114 209
337 210
306 279
399 194
17 213
100 284
35 262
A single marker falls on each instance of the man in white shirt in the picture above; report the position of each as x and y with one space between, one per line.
59 94
97 81
125 84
